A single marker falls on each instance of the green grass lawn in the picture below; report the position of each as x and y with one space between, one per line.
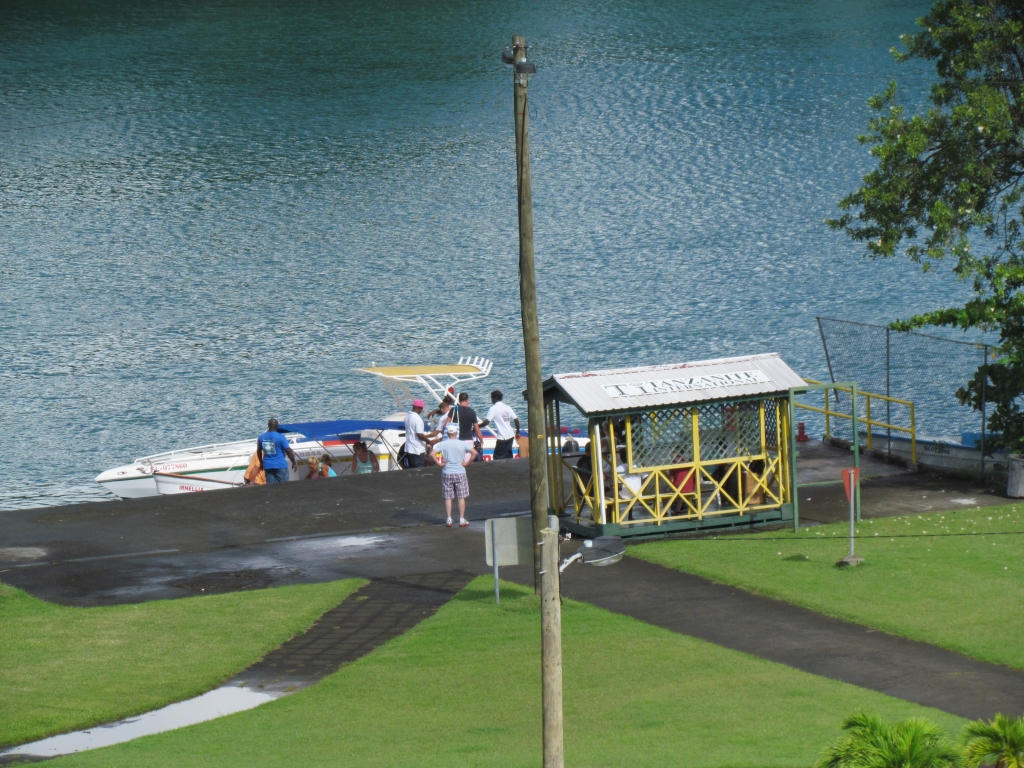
67 668
463 689
960 592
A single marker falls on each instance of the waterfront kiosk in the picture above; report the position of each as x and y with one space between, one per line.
674 447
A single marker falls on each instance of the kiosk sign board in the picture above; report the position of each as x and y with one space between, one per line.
686 384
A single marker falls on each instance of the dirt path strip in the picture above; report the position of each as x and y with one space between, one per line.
370 617
800 638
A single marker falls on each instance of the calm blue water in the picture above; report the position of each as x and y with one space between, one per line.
212 212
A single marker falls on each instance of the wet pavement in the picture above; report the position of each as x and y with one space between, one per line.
887 490
371 526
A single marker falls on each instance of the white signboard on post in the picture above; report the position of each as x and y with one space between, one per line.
515 540
508 541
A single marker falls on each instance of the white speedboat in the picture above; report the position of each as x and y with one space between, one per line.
223 465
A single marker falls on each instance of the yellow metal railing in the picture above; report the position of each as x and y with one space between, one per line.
831 413
655 494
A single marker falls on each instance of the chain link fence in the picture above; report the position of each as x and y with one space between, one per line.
927 370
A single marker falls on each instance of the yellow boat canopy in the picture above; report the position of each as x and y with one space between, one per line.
419 370
438 380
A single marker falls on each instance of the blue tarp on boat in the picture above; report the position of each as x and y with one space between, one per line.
329 430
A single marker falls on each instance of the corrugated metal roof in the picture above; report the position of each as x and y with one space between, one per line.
655 386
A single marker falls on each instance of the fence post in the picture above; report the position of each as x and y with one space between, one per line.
867 407
828 426
984 393
856 442
888 403
824 345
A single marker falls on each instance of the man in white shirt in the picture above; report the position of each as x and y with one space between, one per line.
502 417
415 436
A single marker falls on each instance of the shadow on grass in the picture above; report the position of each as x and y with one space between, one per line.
481 590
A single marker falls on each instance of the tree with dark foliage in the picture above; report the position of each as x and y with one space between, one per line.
947 187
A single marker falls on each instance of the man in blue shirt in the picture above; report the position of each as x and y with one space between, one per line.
274 454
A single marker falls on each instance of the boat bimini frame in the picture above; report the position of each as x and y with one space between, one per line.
438 380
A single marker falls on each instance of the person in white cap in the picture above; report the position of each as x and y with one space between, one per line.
453 455
415 436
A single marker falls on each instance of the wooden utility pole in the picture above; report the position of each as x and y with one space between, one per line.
545 528
551 647
528 302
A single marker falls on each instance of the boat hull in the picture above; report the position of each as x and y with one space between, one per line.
130 485
171 484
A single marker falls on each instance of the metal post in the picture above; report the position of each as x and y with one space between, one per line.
853 495
528 302
984 393
551 646
599 472
856 445
828 360
867 413
888 403
494 555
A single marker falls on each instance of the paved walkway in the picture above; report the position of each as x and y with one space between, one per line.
365 620
799 638
388 526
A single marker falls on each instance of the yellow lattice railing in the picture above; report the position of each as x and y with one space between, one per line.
747 471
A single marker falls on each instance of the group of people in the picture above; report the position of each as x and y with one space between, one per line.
269 464
456 441
420 441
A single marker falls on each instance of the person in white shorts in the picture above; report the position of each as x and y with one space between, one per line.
453 455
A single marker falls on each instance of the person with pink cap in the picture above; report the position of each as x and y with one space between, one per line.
415 436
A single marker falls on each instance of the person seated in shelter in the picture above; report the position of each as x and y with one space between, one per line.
728 477
314 469
585 466
326 470
363 460
631 483
686 481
